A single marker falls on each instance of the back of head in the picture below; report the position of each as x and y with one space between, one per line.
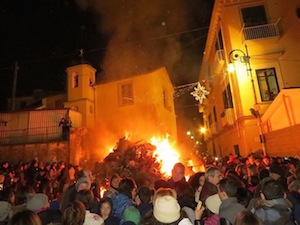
228 186
247 218
21 194
161 184
145 194
26 217
74 214
126 186
132 214
86 197
272 189
164 192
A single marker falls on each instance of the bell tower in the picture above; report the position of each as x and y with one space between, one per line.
81 92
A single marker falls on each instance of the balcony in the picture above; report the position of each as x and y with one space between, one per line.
261 31
227 117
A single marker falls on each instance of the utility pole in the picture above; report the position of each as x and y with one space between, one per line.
14 88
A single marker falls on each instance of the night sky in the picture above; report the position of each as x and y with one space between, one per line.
119 37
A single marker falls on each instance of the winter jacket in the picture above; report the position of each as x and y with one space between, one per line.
229 209
120 202
274 212
207 190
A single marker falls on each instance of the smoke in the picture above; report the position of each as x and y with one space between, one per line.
145 35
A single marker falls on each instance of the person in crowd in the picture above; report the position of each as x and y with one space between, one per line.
212 178
212 203
5 209
39 203
247 218
229 207
21 199
113 186
84 181
161 183
26 217
144 197
294 197
131 214
164 192
277 173
185 193
197 182
166 211
87 198
265 163
74 214
106 212
273 208
124 198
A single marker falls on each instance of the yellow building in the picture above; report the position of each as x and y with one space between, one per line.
141 106
260 41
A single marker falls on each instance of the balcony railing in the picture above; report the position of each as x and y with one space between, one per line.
261 31
32 135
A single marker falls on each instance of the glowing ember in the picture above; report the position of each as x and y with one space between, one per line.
165 154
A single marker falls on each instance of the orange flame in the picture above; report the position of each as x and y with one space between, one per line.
102 190
165 154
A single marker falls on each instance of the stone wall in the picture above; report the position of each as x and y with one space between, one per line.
45 152
68 151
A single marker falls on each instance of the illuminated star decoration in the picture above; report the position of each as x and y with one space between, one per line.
199 93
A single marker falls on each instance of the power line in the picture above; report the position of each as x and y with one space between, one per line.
105 48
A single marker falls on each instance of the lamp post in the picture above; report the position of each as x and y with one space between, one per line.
238 54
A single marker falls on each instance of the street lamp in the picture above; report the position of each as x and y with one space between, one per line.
202 130
238 54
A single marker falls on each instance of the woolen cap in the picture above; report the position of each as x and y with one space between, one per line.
5 208
36 202
213 203
166 209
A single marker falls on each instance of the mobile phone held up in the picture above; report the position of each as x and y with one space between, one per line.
199 205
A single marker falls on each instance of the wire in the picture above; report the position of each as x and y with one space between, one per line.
105 48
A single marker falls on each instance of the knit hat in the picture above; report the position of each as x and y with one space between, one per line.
83 180
213 203
276 169
36 202
166 209
5 208
132 214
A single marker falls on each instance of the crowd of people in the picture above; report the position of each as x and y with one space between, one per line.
235 190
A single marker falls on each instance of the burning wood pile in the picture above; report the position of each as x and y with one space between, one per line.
128 159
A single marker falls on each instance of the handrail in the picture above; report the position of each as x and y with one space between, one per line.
32 135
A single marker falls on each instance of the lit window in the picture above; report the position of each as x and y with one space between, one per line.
125 94
267 82
75 80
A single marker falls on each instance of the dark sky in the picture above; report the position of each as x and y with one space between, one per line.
119 37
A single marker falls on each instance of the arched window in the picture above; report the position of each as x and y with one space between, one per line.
75 80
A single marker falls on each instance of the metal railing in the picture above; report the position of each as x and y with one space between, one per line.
31 135
261 31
